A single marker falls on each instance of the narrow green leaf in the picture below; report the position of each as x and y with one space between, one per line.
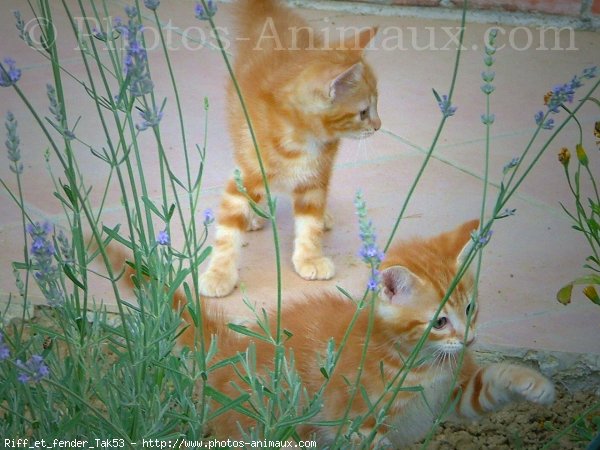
324 372
259 212
20 266
63 200
288 333
207 251
247 332
69 273
152 207
170 212
113 234
177 282
344 292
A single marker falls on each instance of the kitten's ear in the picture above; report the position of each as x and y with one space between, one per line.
359 41
345 81
464 240
398 284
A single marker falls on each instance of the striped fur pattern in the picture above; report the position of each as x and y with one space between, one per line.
303 95
415 277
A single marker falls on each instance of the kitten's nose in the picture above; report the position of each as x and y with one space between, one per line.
376 123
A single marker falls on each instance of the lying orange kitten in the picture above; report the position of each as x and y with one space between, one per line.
415 276
302 95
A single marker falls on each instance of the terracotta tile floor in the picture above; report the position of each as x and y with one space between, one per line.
530 256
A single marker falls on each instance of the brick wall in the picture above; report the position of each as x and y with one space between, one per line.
573 8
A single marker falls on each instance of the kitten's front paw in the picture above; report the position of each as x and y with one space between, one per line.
327 221
255 223
531 385
320 268
217 283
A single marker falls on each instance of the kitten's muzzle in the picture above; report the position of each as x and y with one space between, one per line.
376 122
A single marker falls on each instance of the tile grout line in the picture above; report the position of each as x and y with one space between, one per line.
445 160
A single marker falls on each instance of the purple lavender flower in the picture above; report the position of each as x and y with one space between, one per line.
99 34
369 252
136 58
446 107
131 11
4 350
151 118
590 72
511 165
9 75
12 143
33 370
549 124
488 76
22 377
539 120
487 88
488 119
65 250
564 93
20 24
209 216
151 4
203 14
163 238
373 283
483 238
46 274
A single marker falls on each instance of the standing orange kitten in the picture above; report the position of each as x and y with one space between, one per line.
302 95
415 276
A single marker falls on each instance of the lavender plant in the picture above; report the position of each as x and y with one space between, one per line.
119 377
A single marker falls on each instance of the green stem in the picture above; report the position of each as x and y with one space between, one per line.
437 133
263 173
544 147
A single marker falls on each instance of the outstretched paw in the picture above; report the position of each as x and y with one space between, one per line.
217 283
321 268
531 385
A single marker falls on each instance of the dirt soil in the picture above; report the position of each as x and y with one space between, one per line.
522 426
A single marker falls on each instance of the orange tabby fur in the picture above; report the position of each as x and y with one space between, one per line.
415 277
302 95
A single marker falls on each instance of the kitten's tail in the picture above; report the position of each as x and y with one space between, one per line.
213 321
261 20
259 8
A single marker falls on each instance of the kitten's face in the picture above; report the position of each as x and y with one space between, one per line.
352 112
452 329
415 279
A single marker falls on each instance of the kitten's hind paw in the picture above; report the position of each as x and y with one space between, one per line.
321 268
217 283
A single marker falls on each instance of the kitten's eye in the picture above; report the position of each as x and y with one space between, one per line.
364 114
440 323
470 308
